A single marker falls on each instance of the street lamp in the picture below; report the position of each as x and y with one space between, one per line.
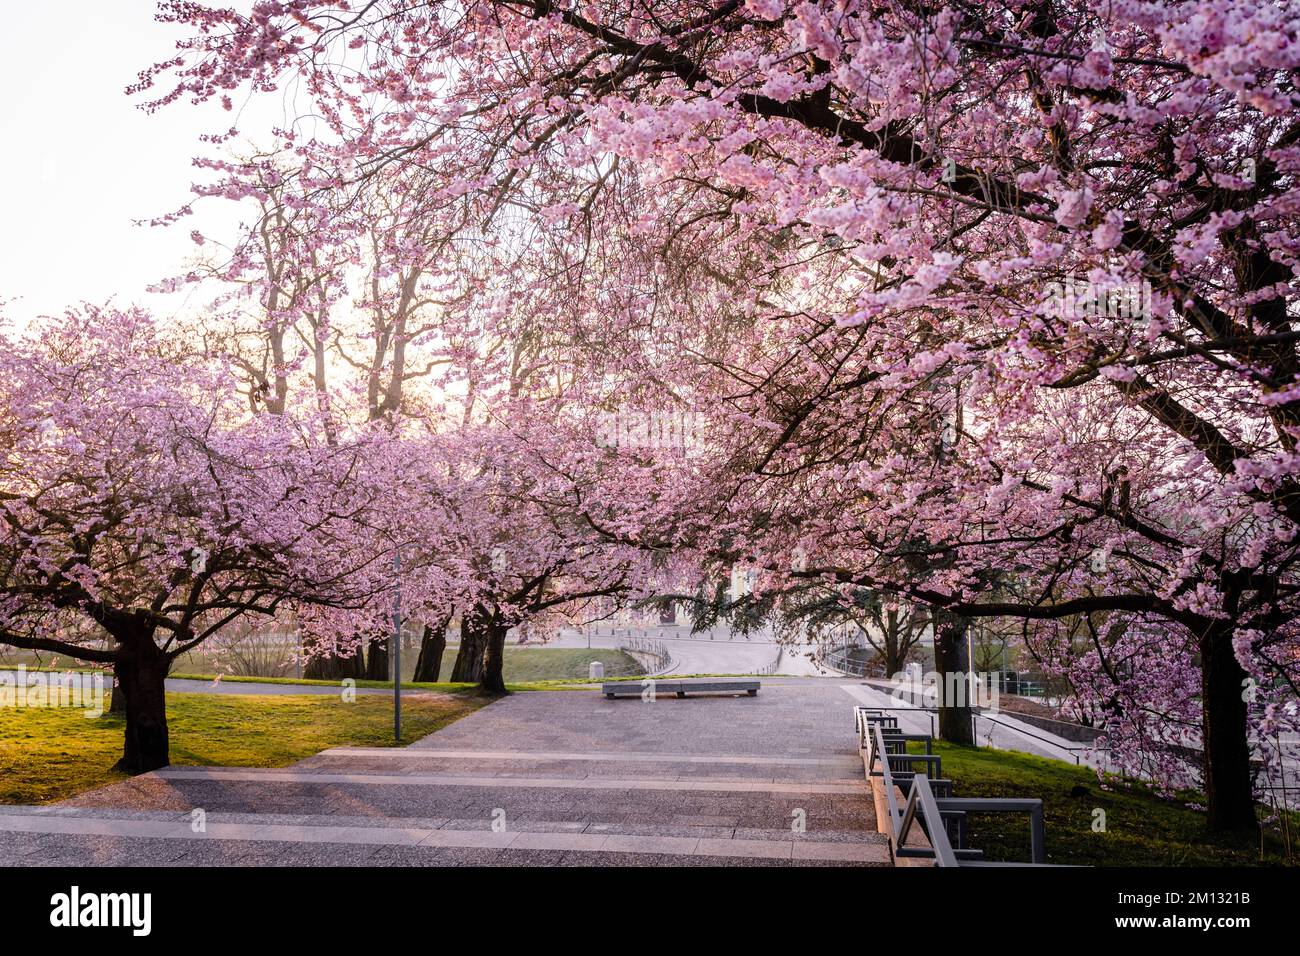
395 651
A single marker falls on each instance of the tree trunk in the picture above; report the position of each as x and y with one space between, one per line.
952 662
377 665
330 665
1229 794
492 680
428 666
473 640
142 673
893 648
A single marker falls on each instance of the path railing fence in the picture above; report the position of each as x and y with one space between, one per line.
927 797
652 655
842 659
768 670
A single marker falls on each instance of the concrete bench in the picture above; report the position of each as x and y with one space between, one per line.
681 688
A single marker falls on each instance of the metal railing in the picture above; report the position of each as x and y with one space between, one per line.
929 798
767 670
837 658
1074 752
930 713
977 715
657 659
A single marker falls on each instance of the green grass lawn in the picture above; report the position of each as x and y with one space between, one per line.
1141 828
52 753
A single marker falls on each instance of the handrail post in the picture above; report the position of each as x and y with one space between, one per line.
934 824
1037 835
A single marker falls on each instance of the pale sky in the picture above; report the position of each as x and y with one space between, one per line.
79 161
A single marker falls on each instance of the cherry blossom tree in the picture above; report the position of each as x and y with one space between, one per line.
143 510
999 297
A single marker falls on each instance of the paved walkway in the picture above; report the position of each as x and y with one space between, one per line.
539 778
187 686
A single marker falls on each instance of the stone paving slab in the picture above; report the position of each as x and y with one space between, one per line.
794 719
665 770
502 781
764 810
137 852
75 831
713 759
43 821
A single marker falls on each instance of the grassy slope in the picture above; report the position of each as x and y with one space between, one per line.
554 663
1141 828
48 753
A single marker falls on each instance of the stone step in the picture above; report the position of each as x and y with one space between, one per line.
317 776
844 762
688 801
90 836
844 771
